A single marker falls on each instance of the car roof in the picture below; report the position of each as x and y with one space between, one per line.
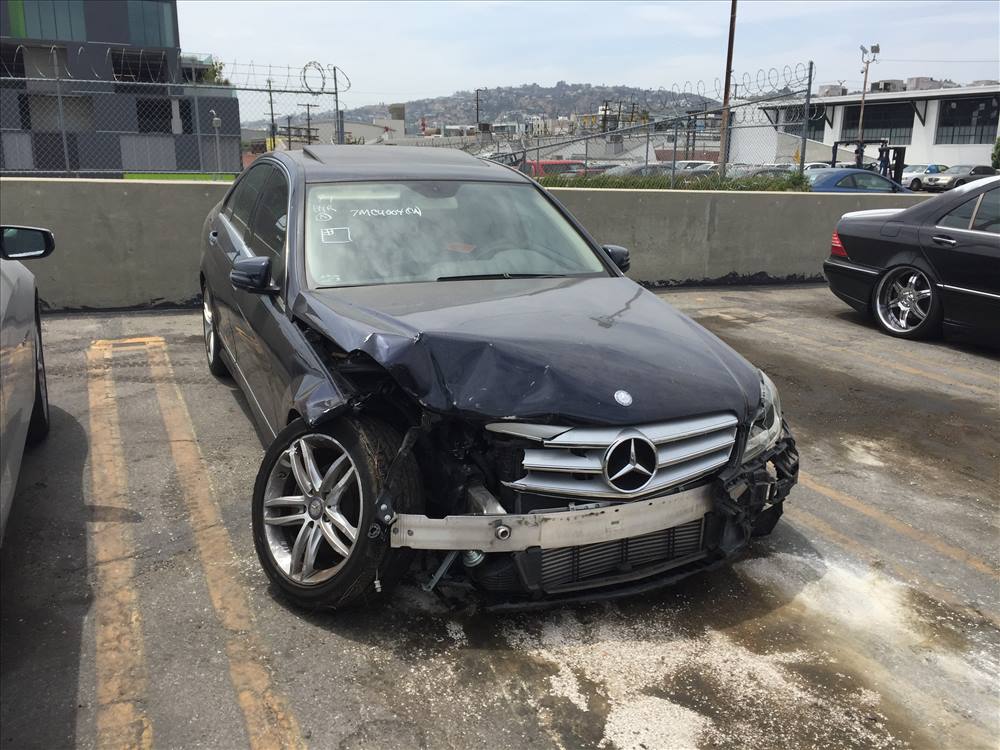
329 163
839 171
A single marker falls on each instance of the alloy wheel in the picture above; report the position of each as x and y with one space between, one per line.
904 300
208 323
312 509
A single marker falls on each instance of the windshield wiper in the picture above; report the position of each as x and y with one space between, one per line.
502 276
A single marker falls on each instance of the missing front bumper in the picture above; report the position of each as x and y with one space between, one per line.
629 547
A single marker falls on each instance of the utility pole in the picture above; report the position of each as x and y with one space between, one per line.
270 101
724 128
477 108
336 108
867 58
288 124
309 109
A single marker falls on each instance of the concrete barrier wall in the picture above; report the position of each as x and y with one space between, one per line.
119 243
694 236
134 243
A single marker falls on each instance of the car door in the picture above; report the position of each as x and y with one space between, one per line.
17 371
227 240
262 336
963 246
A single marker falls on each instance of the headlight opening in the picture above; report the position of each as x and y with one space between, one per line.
766 427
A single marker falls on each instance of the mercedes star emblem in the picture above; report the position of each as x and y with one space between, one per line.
630 463
623 397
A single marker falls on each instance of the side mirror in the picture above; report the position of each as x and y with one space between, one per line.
253 275
619 256
22 243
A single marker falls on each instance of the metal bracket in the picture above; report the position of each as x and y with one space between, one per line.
442 569
384 508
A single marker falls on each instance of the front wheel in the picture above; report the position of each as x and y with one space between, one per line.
210 328
915 185
907 303
38 427
314 524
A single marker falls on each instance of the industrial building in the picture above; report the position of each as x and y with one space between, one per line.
102 87
950 125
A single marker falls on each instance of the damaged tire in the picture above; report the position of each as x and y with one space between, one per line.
314 524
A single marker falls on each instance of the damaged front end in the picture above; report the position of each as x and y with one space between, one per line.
531 546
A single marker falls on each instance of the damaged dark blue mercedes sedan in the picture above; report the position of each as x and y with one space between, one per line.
443 360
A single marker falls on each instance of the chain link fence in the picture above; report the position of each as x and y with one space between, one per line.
127 113
135 115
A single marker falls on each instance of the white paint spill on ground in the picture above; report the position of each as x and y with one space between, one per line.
648 722
457 633
863 451
874 628
667 690
565 684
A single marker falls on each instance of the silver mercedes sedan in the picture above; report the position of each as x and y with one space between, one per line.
24 400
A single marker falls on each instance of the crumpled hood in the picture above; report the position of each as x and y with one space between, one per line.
538 349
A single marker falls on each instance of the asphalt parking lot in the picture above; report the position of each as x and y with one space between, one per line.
134 613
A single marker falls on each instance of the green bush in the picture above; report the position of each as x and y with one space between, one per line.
792 182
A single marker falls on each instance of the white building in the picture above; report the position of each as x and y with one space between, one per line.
937 126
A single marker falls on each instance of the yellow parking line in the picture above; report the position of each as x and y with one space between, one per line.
269 721
863 551
119 660
934 542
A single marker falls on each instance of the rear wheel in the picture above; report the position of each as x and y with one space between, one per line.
314 523
38 427
907 303
212 346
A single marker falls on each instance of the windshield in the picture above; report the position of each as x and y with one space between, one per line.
363 233
961 169
915 168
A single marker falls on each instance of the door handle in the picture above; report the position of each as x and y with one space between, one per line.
213 237
942 240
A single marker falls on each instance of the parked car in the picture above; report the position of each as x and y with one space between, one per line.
914 269
837 180
444 360
24 416
957 176
815 165
540 168
915 174
691 163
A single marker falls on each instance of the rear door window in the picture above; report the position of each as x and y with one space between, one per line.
959 217
988 216
846 182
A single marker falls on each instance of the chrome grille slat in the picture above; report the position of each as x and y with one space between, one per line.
571 463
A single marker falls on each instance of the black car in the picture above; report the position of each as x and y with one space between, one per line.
914 269
443 359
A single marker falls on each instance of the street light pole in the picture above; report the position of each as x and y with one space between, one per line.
867 58
216 124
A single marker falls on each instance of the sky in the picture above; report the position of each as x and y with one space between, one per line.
408 50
